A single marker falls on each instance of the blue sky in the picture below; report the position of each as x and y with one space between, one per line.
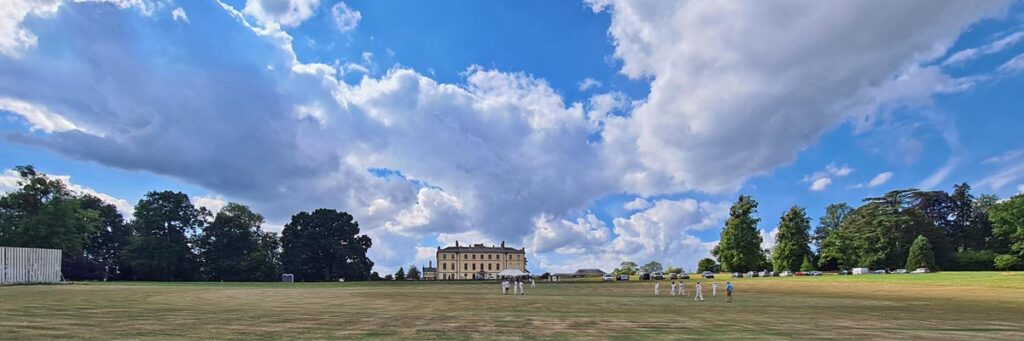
589 132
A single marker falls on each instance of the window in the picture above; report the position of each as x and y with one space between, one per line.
465 256
488 256
444 256
474 266
444 266
489 266
474 256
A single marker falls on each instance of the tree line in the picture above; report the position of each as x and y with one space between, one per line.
170 239
906 228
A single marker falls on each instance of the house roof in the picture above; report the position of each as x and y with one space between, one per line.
590 272
480 248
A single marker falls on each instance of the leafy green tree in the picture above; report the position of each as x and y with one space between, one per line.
1007 219
388 277
673 270
651 267
921 254
963 218
792 243
971 260
165 226
1007 262
374 276
807 265
44 213
413 273
105 247
235 248
626 268
739 248
400 274
707 264
828 223
325 245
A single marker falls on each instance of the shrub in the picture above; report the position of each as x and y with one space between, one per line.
921 254
1007 262
974 260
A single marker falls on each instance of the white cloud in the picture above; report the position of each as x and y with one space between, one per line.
940 174
213 203
287 13
1020 189
38 117
880 179
768 238
589 83
179 14
1014 65
728 98
820 184
637 204
972 53
1008 169
345 19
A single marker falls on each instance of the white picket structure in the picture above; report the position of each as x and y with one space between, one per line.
20 265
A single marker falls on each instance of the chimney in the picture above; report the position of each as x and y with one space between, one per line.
456 243
502 243
430 264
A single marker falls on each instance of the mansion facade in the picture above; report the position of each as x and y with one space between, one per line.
476 261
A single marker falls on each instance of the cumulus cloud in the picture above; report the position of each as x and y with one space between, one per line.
880 179
212 203
589 83
179 14
286 13
820 184
728 97
345 19
637 204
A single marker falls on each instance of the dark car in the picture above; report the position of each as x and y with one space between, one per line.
645 276
684 276
844 272
708 274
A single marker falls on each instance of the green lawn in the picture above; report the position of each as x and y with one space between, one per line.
930 306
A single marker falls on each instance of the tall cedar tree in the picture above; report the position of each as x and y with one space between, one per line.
413 273
165 225
792 243
400 274
828 223
921 254
235 248
324 246
739 248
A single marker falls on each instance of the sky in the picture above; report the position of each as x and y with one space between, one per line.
589 133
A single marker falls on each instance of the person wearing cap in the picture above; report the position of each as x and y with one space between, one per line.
698 294
728 292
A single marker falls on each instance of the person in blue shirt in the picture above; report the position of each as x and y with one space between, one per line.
728 292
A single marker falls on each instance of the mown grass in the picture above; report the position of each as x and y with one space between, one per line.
932 306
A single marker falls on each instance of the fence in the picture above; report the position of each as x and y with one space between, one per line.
29 265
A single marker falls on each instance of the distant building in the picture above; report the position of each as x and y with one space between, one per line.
477 261
588 273
429 272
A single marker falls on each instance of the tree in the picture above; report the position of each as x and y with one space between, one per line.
374 276
44 213
165 225
1007 220
651 267
792 243
673 270
389 278
828 223
1007 262
707 264
739 248
413 273
105 247
400 274
807 265
235 248
325 245
626 268
960 232
921 254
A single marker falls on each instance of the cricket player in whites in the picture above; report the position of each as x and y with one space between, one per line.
698 294
714 288
673 288
521 291
657 288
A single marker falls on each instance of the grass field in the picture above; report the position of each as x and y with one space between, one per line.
931 306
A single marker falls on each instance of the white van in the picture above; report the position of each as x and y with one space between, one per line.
861 271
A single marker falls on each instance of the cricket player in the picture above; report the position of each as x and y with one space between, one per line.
673 288
714 288
504 287
521 291
657 288
698 294
533 284
728 291
682 288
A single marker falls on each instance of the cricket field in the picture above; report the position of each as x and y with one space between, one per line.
948 305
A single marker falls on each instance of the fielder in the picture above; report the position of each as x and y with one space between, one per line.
673 288
698 292
657 288
533 284
714 288
682 288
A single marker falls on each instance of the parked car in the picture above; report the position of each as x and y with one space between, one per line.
786 273
764 274
921 271
645 276
623 277
899 271
737 275
844 272
753 274
815 273
708 274
658 276
673 275
879 272
684 276
607 278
